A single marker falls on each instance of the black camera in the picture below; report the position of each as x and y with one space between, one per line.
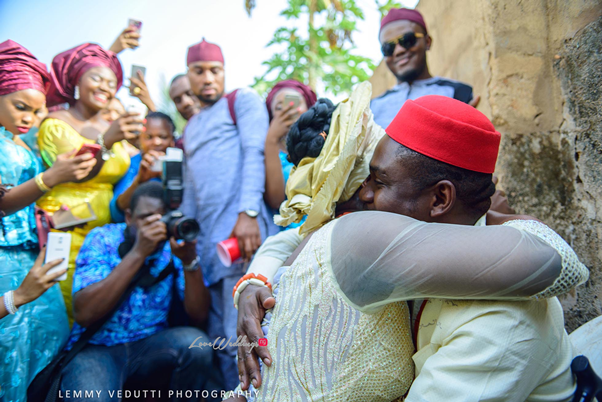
178 225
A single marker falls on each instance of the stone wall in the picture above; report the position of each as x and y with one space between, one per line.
537 65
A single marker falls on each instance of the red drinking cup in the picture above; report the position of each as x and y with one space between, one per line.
228 251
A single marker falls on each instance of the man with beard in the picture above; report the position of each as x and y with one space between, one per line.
404 42
437 186
225 181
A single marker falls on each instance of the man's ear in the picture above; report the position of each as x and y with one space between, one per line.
128 216
444 199
429 42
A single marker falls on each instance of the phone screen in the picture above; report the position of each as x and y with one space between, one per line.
135 70
135 24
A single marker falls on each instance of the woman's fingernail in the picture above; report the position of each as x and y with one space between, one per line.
254 383
291 103
267 361
144 121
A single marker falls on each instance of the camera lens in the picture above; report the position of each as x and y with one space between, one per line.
187 229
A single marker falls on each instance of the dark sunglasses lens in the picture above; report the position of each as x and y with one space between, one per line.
408 40
387 49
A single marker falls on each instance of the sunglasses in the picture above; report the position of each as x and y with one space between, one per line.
406 41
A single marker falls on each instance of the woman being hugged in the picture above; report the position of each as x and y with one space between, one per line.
87 77
33 320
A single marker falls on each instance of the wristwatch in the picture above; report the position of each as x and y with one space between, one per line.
251 213
193 266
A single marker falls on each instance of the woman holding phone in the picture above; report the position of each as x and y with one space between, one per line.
33 320
285 102
87 78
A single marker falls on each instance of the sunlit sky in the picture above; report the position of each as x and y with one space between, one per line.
47 28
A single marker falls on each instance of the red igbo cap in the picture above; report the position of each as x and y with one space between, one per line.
204 51
19 70
304 90
398 14
68 67
447 130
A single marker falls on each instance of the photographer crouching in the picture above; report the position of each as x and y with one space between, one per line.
135 271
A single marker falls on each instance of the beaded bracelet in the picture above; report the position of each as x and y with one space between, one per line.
9 302
40 183
248 279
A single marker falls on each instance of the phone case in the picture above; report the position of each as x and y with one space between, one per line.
58 246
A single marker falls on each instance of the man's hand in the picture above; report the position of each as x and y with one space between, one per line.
150 234
252 305
145 173
185 251
129 38
248 235
139 89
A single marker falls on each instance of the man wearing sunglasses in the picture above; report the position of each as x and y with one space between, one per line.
404 41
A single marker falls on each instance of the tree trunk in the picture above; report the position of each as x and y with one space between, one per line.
313 45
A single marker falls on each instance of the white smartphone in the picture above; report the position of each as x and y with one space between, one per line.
58 246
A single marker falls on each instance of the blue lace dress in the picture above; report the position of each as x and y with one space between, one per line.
30 338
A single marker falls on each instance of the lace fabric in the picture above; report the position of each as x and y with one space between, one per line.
399 258
324 349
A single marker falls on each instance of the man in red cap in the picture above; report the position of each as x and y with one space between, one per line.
404 42
224 145
436 165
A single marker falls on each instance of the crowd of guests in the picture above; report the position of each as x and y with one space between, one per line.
370 306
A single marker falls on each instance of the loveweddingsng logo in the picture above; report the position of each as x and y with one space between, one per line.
221 343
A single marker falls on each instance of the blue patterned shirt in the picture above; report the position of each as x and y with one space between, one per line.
145 312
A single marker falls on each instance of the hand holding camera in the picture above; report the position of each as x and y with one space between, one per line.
152 232
185 251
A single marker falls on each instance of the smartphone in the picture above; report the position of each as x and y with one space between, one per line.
94 149
78 215
58 246
296 99
135 70
135 24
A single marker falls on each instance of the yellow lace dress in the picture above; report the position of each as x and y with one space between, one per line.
57 137
326 350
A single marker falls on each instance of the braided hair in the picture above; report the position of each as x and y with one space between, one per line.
305 137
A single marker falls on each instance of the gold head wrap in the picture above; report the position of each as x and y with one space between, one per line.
318 184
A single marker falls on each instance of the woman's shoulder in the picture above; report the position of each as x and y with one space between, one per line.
58 119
